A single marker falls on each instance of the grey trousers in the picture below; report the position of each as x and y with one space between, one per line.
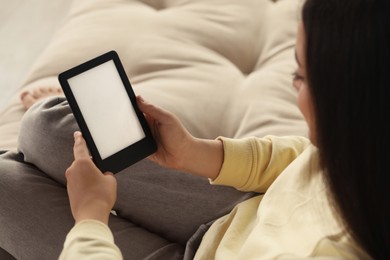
161 213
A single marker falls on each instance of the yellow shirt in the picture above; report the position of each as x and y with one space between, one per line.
292 220
90 239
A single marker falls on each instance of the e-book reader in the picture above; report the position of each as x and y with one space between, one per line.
104 105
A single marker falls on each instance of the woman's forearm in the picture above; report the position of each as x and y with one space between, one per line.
204 158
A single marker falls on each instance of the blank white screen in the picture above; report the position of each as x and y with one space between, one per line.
106 108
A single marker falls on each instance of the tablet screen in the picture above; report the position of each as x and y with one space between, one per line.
104 105
106 108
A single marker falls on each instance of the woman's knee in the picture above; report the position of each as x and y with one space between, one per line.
46 136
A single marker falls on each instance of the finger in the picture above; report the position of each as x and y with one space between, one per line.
112 176
154 112
67 173
109 173
80 149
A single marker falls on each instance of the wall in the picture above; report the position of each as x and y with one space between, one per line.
25 29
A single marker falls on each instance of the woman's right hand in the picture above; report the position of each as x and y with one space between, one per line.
173 140
177 148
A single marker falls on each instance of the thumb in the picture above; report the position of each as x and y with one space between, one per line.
80 149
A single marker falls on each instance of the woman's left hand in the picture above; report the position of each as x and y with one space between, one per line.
92 194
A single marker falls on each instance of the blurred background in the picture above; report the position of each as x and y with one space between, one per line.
26 26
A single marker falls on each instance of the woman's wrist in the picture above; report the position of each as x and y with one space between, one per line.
96 211
204 157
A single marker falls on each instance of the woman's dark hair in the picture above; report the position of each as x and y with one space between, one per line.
348 68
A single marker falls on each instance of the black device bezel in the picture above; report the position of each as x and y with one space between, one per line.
127 156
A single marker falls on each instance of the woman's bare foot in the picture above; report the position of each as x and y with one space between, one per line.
29 98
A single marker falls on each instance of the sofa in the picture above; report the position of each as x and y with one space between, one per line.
222 66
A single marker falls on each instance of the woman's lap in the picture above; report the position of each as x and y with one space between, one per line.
35 217
165 202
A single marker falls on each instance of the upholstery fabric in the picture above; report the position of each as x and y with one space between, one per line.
223 66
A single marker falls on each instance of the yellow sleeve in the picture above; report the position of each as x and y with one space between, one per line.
252 164
90 239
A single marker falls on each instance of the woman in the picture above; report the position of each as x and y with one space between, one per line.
323 198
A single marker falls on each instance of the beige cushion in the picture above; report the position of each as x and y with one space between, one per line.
223 66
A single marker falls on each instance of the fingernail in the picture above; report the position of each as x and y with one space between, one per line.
76 134
141 99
